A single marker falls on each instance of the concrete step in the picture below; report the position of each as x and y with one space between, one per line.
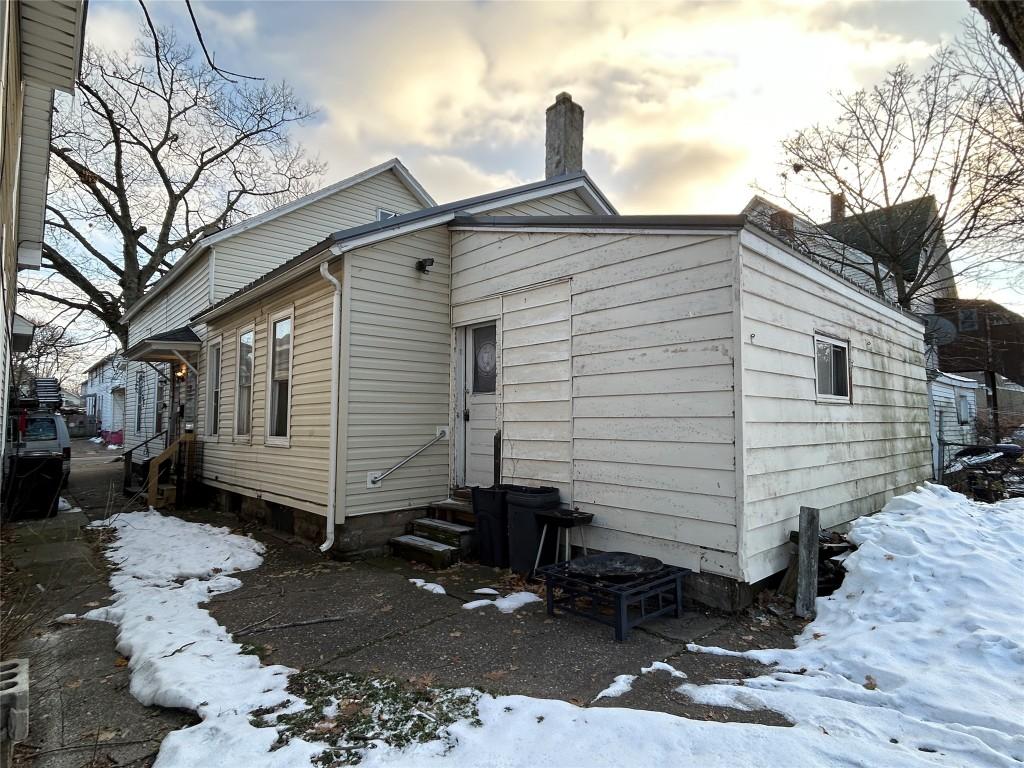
454 510
452 534
433 553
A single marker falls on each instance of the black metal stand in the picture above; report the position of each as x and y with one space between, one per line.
630 603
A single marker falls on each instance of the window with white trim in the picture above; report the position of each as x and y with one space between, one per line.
243 390
213 387
383 214
279 375
832 363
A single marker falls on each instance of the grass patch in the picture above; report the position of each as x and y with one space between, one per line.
352 714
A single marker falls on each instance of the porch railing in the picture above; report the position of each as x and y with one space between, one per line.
128 455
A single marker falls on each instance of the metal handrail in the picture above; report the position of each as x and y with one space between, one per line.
373 479
162 433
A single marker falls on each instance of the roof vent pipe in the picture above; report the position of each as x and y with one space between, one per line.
563 145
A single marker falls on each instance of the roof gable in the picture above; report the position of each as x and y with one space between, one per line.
200 248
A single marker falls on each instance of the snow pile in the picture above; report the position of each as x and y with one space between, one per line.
98 440
437 589
486 591
114 447
179 656
506 604
922 646
63 505
661 666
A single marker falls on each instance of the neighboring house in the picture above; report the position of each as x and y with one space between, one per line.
161 373
953 413
692 381
983 340
40 52
909 235
103 393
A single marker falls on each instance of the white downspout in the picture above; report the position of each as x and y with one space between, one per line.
332 471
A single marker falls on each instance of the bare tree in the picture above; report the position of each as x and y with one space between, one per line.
56 352
927 173
158 149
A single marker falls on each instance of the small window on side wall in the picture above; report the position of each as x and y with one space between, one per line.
832 361
963 409
213 388
243 393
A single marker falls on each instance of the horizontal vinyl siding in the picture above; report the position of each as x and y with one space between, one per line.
651 391
946 425
398 366
247 255
536 388
296 474
845 459
168 311
562 204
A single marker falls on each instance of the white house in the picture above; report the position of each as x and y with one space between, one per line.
952 414
103 396
691 380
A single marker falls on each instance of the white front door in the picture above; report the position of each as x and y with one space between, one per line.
481 379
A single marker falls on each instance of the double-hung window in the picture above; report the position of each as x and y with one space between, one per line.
832 361
213 388
279 377
140 399
963 409
243 395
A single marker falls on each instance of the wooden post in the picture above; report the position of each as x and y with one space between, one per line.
807 566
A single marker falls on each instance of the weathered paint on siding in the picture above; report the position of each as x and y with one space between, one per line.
246 256
846 459
295 474
651 426
397 369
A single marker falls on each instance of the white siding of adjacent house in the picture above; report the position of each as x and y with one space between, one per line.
945 422
295 474
845 459
648 409
242 258
168 311
397 371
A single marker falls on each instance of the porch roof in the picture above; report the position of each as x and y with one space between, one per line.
166 347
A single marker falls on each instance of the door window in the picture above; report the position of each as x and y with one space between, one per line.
485 359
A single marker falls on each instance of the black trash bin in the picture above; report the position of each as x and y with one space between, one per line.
489 507
523 528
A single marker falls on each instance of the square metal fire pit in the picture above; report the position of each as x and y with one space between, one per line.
621 604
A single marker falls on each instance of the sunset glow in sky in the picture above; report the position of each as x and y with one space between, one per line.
686 103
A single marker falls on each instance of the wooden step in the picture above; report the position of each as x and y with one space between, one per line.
462 494
452 534
454 510
433 553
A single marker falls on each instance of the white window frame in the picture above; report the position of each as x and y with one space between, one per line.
247 437
383 214
211 429
840 399
140 401
279 440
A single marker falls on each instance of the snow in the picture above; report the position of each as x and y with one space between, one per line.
620 685
114 447
486 591
437 589
924 641
918 660
97 440
661 666
506 604
179 656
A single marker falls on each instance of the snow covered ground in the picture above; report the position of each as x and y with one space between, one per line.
918 660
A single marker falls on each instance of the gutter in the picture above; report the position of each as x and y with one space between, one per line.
332 468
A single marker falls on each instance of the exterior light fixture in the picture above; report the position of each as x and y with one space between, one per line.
422 265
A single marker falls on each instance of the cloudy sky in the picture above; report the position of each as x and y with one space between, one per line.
685 102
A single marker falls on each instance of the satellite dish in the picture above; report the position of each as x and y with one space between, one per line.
938 330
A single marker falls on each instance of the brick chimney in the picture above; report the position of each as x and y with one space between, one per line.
838 207
563 146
